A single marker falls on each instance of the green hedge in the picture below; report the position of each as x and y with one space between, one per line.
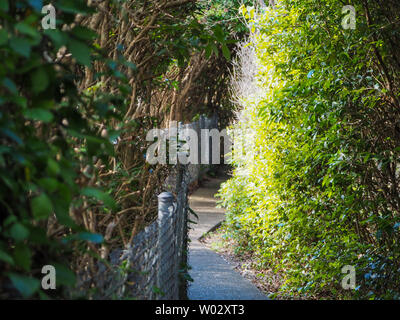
318 186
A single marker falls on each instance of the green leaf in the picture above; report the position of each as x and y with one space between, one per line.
53 167
43 104
80 51
208 51
99 195
85 236
58 37
10 85
219 34
22 256
21 101
11 135
5 257
83 33
226 52
40 80
41 207
3 37
27 286
64 275
38 235
43 296
4 5
27 29
61 209
130 65
49 184
38 115
21 46
74 6
215 49
92 237
19 232
36 4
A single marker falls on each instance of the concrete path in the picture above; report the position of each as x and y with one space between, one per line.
214 278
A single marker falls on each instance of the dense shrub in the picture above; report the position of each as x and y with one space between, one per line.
318 185
49 133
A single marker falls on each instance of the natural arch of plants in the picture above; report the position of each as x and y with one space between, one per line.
76 104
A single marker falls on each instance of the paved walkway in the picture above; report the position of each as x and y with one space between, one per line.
214 278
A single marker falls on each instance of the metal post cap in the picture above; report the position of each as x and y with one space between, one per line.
166 197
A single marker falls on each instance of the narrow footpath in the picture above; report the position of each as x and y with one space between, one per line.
214 278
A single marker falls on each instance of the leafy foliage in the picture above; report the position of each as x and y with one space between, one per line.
75 105
317 187
47 133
